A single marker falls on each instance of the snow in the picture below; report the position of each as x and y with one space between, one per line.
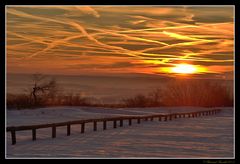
202 137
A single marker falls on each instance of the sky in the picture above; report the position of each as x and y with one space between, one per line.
77 40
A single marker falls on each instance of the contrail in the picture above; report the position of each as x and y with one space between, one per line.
73 24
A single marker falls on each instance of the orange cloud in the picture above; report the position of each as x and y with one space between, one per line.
151 35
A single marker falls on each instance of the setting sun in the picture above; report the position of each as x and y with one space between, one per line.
184 68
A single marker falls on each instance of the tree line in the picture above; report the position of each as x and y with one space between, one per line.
44 91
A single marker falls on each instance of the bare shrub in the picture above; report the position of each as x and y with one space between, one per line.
155 98
137 101
204 93
71 100
19 101
197 93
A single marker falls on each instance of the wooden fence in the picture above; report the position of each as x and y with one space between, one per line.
160 117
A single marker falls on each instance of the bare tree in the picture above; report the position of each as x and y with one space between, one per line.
155 97
42 86
137 101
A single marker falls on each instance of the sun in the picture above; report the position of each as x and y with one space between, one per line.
184 69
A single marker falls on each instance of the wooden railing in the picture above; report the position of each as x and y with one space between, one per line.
160 117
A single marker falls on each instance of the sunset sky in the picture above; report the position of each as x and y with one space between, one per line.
122 39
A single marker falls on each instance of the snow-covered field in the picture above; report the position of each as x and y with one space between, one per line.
202 137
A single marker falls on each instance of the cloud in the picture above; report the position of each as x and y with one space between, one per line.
73 24
155 34
178 36
107 65
88 10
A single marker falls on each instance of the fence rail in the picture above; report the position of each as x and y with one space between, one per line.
161 117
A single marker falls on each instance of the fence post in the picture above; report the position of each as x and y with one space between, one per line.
159 118
114 124
94 125
121 122
152 118
130 122
68 129
138 121
53 131
82 127
13 134
170 117
33 134
165 118
104 125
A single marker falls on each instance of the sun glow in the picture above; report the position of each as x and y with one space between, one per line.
184 69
